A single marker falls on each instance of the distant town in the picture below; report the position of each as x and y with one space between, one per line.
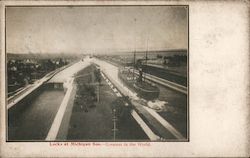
22 72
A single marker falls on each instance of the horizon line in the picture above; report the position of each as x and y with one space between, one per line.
103 52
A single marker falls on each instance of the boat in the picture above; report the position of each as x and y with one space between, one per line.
144 89
138 82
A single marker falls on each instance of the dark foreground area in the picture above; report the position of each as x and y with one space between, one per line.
94 120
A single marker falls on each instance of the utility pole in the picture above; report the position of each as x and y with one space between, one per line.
98 75
97 81
92 75
114 125
134 52
146 63
98 91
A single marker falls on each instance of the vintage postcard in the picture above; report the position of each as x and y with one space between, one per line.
97 73
128 78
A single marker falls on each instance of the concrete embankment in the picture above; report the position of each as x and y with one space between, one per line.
58 130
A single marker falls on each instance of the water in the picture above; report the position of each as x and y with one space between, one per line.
34 121
175 109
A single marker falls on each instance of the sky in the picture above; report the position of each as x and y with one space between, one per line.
95 29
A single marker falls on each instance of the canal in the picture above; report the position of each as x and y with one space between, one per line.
33 121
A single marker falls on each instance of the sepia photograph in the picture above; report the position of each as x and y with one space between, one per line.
97 73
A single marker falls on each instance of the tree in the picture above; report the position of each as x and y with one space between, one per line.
97 75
